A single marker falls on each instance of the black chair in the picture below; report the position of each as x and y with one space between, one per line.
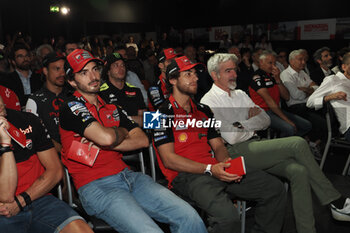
334 137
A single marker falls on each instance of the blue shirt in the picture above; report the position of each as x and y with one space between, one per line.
25 82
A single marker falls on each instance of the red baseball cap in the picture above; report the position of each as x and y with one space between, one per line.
167 54
78 59
180 64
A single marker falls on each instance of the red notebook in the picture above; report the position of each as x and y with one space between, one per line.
80 152
237 166
17 135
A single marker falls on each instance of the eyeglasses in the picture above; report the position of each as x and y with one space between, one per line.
21 56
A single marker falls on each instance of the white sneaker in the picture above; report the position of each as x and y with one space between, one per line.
341 214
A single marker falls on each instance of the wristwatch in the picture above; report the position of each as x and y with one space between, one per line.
238 125
208 170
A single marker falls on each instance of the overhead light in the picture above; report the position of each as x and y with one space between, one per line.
64 10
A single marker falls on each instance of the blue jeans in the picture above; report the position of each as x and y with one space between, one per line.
44 215
129 200
285 129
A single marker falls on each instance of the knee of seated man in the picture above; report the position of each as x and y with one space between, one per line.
77 226
287 129
296 170
297 141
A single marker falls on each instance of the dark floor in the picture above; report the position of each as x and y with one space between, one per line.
324 221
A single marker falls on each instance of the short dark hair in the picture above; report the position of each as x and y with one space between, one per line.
69 42
318 53
15 48
173 75
70 75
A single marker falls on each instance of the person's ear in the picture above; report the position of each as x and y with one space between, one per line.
45 71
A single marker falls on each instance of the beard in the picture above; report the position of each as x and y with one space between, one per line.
187 89
89 89
232 86
23 66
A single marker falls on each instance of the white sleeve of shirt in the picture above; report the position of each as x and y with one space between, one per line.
316 99
258 122
290 83
230 133
31 106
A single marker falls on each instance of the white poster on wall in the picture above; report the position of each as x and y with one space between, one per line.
322 29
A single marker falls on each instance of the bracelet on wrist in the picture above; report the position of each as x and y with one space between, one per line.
26 198
4 149
19 204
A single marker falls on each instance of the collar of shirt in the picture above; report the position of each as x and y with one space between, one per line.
22 76
326 72
300 74
88 105
178 109
292 71
255 67
114 88
340 75
217 90
47 91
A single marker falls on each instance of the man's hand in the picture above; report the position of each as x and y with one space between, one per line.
219 172
9 209
292 124
253 112
276 73
336 96
4 125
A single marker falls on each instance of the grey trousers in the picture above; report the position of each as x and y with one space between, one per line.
215 198
292 159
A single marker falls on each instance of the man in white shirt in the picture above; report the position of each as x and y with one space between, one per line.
288 157
336 88
300 87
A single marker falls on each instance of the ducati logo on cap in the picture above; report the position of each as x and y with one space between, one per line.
82 56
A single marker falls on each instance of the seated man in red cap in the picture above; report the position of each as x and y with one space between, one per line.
107 188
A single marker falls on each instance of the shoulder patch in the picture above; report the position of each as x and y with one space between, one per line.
129 85
104 87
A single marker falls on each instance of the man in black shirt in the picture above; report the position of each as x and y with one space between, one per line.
45 103
117 91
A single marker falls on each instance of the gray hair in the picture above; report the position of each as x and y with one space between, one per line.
218 58
318 53
346 59
266 53
43 46
295 53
